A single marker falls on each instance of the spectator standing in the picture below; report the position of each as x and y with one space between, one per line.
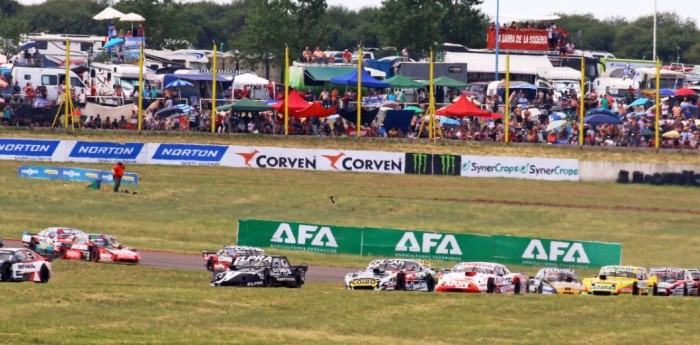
117 174
347 56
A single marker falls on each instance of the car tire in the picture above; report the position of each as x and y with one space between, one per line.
298 282
94 255
210 265
516 287
32 245
6 272
635 290
268 281
655 290
61 252
44 275
685 290
540 288
490 286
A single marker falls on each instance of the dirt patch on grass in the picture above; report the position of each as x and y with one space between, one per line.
546 204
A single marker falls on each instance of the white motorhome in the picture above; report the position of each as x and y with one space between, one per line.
49 77
188 58
616 82
52 48
106 76
559 79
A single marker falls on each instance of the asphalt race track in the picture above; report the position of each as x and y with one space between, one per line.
194 262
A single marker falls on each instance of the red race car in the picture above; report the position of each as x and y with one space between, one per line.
21 264
100 248
225 256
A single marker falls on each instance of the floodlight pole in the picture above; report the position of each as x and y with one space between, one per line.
498 38
654 53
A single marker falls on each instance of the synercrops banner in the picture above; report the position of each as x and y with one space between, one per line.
390 243
289 158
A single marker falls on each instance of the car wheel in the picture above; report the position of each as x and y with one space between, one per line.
268 281
540 288
400 282
431 283
685 290
516 287
44 274
32 245
94 255
298 282
655 290
635 290
490 286
210 265
6 272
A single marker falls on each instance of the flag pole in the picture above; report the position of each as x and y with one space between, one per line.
658 107
66 94
213 91
140 114
286 90
582 111
359 91
506 100
431 103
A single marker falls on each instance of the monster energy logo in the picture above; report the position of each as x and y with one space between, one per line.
448 164
420 163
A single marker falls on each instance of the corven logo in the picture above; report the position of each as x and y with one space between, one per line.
334 159
446 244
322 237
247 156
572 252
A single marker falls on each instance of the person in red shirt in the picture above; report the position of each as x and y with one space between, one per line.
117 173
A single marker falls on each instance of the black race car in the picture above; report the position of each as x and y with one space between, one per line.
261 270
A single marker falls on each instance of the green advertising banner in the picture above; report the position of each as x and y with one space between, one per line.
559 253
426 245
297 236
390 243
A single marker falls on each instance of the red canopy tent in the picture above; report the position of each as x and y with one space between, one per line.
462 107
296 103
684 92
315 110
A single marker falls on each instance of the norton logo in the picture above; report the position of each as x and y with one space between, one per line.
572 252
29 171
322 237
446 244
334 159
248 156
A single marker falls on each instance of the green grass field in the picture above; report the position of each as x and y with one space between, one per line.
187 209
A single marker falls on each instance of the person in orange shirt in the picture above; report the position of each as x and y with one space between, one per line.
117 173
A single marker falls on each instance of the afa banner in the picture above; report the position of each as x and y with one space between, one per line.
520 167
556 253
73 174
106 152
32 150
298 236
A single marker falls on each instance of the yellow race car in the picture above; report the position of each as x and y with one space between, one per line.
618 280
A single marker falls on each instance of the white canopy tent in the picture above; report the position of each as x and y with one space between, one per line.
248 79
107 14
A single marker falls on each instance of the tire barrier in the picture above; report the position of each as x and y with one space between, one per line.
686 178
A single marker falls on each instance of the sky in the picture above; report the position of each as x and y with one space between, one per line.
601 9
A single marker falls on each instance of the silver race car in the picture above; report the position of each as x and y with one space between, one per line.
393 274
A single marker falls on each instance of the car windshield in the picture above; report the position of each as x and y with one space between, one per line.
560 276
5 255
617 273
667 275
695 274
466 268
385 266
245 262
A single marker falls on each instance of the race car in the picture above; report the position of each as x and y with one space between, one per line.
261 270
482 277
22 264
618 280
393 274
100 248
555 281
50 242
671 281
695 273
225 256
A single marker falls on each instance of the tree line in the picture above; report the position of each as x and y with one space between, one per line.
257 31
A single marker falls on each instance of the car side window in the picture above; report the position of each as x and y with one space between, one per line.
275 263
29 257
284 263
19 256
411 266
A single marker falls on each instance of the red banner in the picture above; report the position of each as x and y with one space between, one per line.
515 39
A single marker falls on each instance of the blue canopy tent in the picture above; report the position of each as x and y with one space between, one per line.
199 80
398 119
367 80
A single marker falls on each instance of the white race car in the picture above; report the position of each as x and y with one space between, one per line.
482 277
553 281
671 281
21 264
393 274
